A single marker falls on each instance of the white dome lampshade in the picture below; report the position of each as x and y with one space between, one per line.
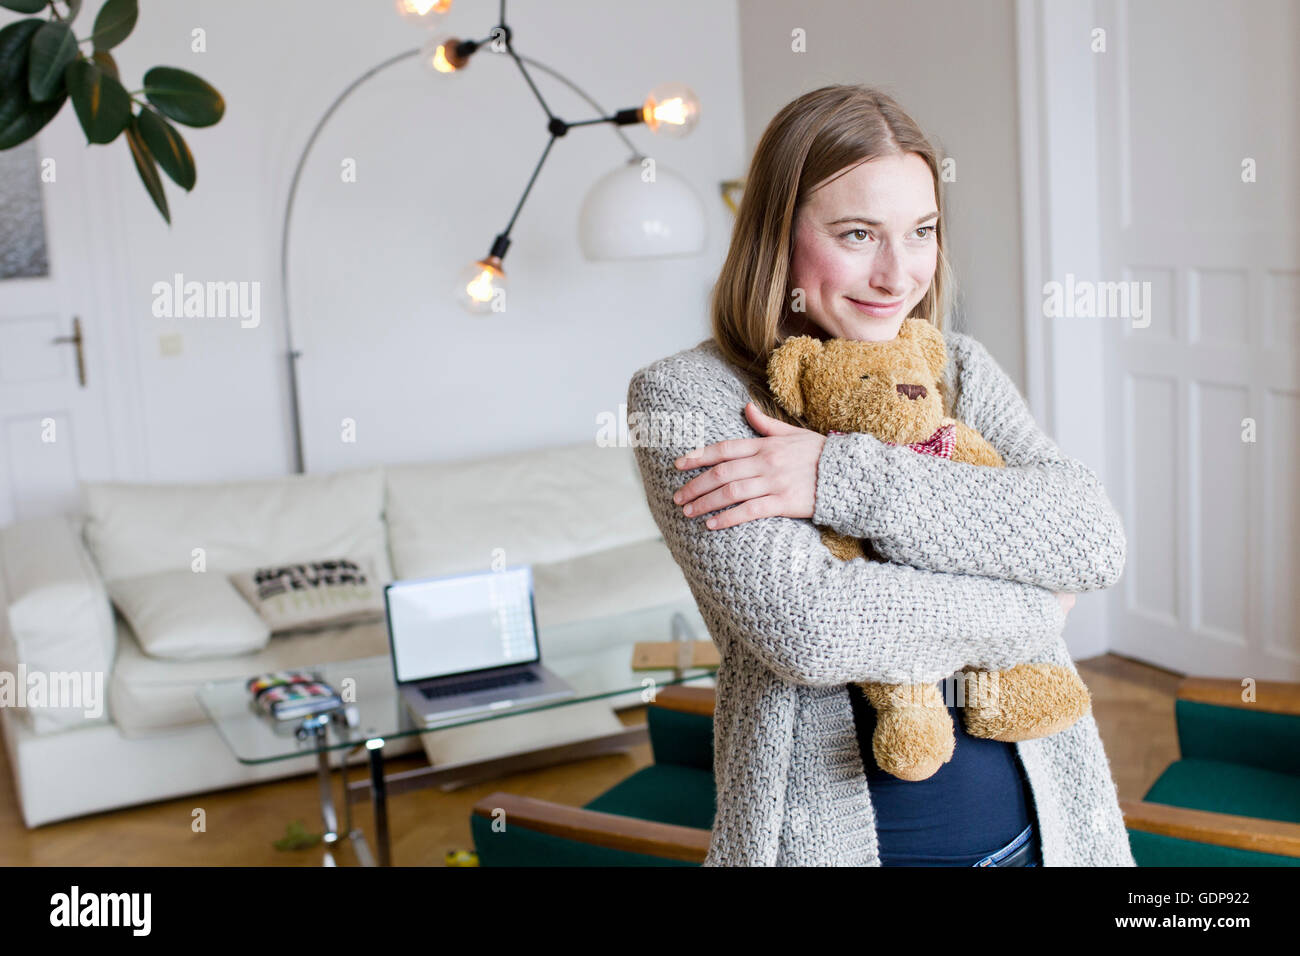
624 217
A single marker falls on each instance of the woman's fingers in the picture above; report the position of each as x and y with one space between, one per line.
719 451
729 494
764 507
1066 599
727 470
737 447
716 477
767 424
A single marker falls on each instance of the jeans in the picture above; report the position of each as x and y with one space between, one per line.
1024 850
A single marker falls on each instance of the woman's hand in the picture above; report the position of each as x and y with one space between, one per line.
1067 600
775 475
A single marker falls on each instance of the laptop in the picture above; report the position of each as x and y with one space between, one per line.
467 643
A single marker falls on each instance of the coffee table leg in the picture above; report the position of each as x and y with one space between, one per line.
355 834
327 813
379 796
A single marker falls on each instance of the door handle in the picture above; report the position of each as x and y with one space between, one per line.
76 339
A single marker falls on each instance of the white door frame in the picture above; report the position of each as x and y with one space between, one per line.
1064 357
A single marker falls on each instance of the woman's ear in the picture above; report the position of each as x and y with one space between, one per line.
929 341
785 371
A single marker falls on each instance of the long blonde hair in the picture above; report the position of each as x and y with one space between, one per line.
811 139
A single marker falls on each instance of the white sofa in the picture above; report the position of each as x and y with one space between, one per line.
576 513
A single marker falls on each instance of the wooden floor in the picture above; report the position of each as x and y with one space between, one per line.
1133 704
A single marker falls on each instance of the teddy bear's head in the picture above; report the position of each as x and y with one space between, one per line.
887 389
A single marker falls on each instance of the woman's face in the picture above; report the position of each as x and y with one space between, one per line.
866 238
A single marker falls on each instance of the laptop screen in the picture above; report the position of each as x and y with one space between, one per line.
465 622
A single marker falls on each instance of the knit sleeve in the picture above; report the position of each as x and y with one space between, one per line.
806 615
1044 519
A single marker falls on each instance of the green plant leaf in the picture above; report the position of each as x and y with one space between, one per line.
167 147
15 48
104 60
21 119
297 838
103 106
184 97
24 6
148 169
114 23
52 49
74 7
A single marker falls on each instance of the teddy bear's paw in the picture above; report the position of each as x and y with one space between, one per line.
1024 702
913 736
842 546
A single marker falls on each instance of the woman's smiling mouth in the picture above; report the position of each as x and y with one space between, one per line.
879 311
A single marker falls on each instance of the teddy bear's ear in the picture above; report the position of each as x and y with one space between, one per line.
785 367
930 342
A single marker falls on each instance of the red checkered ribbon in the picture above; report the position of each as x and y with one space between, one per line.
940 444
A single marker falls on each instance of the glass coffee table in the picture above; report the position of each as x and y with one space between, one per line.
597 660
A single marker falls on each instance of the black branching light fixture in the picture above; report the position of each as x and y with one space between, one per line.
622 217
670 109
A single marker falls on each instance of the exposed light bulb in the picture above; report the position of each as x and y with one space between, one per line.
439 55
481 287
672 109
424 12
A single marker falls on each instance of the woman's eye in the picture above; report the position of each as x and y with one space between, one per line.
863 233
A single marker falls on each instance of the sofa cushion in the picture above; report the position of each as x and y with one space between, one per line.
187 615
58 617
135 528
147 695
313 594
612 581
531 507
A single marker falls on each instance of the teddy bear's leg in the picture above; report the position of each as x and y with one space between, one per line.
1024 702
842 546
913 736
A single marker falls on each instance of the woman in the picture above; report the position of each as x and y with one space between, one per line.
839 235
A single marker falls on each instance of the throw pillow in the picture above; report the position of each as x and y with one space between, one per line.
187 615
313 594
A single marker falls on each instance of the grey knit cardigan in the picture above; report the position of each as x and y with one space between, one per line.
974 554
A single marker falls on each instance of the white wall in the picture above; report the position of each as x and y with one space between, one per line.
372 261
952 65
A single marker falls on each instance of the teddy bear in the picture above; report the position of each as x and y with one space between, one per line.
894 391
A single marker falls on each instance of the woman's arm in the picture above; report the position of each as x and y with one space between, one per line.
809 617
1044 519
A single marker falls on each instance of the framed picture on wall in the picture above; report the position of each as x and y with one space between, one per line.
22 227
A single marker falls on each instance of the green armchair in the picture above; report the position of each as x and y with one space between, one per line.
1233 798
662 815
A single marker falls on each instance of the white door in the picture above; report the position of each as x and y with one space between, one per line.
55 429
1198 131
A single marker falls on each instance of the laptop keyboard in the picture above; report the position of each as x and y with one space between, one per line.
481 683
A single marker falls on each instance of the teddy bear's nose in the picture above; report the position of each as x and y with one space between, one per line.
911 391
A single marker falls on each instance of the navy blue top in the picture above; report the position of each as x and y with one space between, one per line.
973 805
